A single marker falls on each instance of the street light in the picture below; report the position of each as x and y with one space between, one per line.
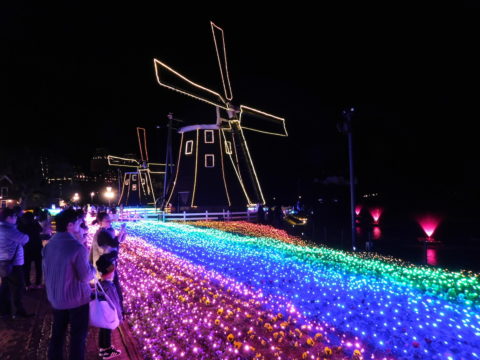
76 197
346 128
91 196
109 194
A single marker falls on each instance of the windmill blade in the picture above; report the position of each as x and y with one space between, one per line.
219 40
142 143
173 80
260 121
122 162
157 168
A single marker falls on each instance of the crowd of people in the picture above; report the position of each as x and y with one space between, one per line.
67 266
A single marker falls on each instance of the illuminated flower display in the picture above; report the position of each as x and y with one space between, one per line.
392 307
182 310
256 230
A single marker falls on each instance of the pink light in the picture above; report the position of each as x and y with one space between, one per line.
377 233
358 208
432 257
359 230
429 224
376 213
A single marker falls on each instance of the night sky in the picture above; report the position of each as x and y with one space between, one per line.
75 79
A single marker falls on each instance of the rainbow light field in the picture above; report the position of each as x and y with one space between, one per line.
322 303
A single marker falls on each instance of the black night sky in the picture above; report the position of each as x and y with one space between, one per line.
73 79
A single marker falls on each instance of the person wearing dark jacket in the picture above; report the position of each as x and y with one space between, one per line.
11 248
67 275
33 249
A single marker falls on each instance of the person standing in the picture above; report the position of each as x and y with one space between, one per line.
104 242
67 275
11 248
33 249
106 266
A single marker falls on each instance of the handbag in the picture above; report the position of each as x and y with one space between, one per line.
6 266
103 313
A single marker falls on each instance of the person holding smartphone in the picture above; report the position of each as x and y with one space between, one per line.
105 241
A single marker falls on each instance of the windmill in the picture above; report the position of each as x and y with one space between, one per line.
137 186
198 179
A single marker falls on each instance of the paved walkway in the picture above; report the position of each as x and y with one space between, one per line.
28 338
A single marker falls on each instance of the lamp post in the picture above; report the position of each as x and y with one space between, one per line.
76 197
91 196
109 194
346 128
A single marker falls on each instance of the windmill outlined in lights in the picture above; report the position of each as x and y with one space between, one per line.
137 186
214 163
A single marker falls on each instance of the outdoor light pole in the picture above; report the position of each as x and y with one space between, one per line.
109 194
346 127
91 196
169 157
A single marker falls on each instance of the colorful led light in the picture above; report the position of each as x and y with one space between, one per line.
391 306
198 292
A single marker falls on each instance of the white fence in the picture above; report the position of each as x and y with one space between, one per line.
152 214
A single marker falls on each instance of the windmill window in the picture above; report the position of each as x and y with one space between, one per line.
209 160
4 192
134 187
189 147
228 147
208 135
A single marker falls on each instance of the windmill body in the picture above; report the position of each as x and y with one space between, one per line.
214 168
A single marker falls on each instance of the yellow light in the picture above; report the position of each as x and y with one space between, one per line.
223 170
237 173
111 158
196 167
176 174
229 94
159 63
139 129
253 167
263 113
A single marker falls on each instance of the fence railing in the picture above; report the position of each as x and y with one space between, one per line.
152 214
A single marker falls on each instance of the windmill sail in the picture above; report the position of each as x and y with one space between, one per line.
122 162
173 80
142 143
260 121
220 48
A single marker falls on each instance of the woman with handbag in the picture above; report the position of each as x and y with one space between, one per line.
104 242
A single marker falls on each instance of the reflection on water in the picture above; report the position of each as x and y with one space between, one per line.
377 233
432 258
359 231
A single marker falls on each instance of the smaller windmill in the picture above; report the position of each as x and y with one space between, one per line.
137 186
